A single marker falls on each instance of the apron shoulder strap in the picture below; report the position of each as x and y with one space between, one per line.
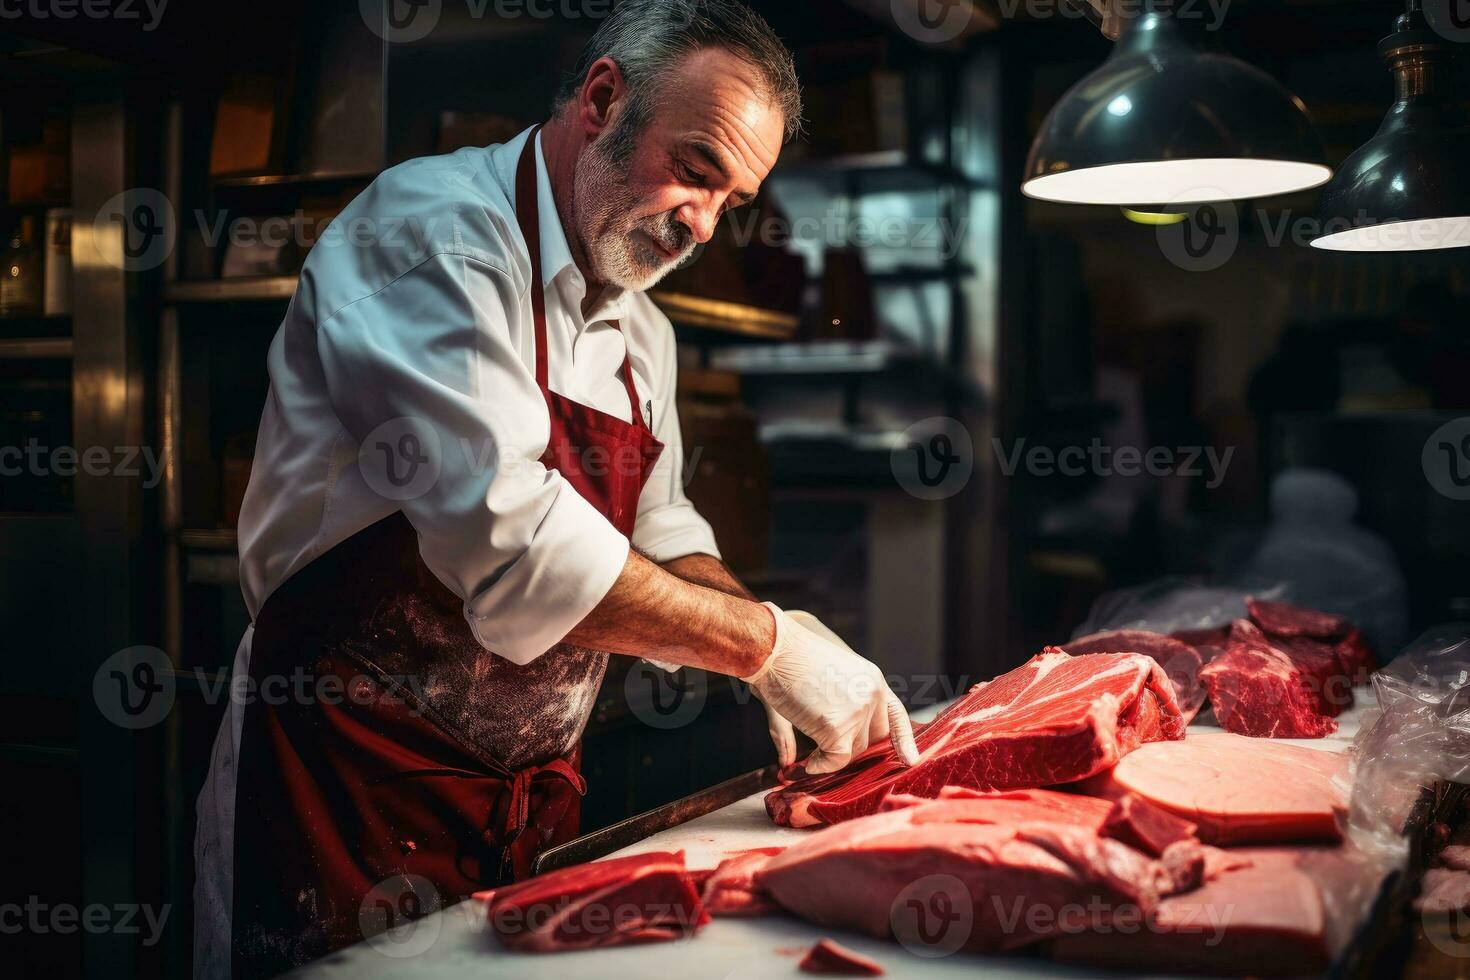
528 215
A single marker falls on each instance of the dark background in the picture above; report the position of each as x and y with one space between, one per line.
800 367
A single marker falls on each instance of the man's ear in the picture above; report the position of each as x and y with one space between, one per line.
602 89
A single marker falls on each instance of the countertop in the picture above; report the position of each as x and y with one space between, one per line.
454 943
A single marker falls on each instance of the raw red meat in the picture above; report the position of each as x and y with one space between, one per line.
637 899
1055 719
730 888
1238 790
1207 642
1179 660
1283 619
1356 656
1265 918
926 874
1138 823
832 959
1259 689
1013 807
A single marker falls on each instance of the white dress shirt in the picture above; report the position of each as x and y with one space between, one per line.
433 322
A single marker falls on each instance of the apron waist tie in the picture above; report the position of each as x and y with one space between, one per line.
503 829
518 803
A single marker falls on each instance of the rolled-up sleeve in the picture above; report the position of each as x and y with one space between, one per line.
425 376
668 526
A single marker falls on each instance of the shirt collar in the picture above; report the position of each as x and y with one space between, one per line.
556 254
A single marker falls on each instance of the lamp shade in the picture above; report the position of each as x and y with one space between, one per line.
1166 119
1407 188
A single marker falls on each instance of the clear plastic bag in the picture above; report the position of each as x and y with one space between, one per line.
1169 605
1418 734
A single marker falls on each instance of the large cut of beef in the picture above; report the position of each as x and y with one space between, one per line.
942 875
1180 660
1237 790
642 898
1055 719
1269 689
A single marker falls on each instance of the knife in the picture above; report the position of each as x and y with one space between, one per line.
601 843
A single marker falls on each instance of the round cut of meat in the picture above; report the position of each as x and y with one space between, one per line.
1239 790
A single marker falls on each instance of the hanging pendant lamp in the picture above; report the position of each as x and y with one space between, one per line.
1408 188
1168 118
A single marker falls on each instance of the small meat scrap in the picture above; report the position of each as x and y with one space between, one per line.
834 959
729 890
1138 823
641 898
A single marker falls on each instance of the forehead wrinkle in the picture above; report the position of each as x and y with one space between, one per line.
742 137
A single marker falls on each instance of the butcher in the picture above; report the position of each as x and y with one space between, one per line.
467 495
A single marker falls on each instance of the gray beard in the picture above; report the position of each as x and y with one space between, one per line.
601 201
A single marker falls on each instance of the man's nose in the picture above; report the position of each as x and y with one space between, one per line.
700 221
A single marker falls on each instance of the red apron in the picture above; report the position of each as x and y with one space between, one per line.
413 751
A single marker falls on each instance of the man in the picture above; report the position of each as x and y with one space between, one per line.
467 425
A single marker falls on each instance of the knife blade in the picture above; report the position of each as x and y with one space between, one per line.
601 843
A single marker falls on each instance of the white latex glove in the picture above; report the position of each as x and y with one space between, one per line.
821 687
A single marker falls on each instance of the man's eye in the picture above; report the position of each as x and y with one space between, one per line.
690 175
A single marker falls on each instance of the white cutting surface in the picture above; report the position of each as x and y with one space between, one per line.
454 944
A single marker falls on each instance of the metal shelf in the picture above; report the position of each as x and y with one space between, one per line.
891 171
253 289
210 539
736 318
36 348
815 358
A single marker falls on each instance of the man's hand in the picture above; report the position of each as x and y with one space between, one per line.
824 689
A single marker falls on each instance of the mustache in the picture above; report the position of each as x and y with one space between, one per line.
671 233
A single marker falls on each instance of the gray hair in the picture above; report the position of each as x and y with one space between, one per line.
647 39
